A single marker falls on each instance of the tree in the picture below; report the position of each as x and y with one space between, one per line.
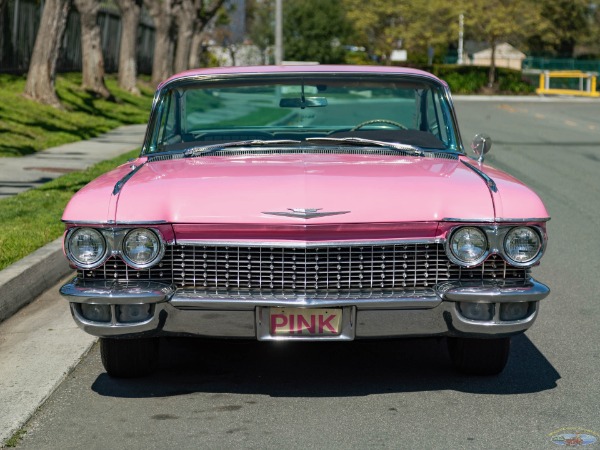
130 20
565 24
192 18
162 13
377 25
259 23
42 68
382 26
314 30
497 21
91 48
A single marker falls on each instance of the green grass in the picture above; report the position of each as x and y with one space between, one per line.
31 219
27 126
15 438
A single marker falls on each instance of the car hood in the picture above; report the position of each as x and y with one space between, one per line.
249 189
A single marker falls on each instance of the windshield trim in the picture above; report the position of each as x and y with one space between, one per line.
185 82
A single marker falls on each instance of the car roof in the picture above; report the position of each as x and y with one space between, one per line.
301 68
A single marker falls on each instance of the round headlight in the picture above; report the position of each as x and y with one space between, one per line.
522 244
86 247
468 245
141 247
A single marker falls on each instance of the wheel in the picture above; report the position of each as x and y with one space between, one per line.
479 356
127 358
378 121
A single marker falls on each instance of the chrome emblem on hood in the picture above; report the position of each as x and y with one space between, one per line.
305 213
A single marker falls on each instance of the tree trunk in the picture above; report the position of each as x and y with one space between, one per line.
162 15
186 13
202 17
130 20
91 48
2 4
42 68
195 50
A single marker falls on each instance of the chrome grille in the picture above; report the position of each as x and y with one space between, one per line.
368 270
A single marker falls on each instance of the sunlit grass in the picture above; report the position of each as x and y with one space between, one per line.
27 126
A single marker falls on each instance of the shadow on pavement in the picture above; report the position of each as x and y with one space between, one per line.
331 369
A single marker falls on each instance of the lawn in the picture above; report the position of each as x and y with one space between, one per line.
27 127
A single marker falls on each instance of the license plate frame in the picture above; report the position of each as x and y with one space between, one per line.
266 317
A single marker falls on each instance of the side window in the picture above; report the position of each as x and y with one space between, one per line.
166 125
432 117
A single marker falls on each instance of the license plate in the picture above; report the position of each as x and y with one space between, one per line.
305 322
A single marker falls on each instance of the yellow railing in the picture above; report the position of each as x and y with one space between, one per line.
587 83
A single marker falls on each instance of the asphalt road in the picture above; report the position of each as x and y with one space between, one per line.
394 394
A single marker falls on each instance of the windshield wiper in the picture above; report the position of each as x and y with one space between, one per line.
361 141
207 149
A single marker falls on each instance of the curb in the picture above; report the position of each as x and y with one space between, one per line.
25 280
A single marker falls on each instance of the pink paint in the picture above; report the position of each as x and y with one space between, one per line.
214 71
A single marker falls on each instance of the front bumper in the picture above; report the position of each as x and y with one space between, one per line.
435 312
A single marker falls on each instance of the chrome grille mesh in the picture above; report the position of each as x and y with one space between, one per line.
323 271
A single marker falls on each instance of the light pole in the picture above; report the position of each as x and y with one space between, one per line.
278 33
461 25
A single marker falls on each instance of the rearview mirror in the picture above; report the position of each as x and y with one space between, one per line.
306 102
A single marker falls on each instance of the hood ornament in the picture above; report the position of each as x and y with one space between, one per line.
305 213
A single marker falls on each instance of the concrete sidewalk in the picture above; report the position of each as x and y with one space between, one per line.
23 173
40 343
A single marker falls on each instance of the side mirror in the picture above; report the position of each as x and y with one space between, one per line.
481 145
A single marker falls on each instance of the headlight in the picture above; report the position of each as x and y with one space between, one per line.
141 248
468 245
522 244
86 247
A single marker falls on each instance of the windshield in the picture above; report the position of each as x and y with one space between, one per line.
400 109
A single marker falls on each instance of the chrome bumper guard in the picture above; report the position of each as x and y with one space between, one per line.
188 312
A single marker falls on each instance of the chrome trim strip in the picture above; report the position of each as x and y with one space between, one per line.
490 183
496 220
188 299
301 213
114 223
288 244
116 292
490 291
126 178
545 219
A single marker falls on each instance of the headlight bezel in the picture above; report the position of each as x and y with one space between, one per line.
114 240
531 261
455 258
496 234
77 262
152 262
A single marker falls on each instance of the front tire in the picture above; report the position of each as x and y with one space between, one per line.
479 356
128 358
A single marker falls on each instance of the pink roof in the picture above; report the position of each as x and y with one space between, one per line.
313 68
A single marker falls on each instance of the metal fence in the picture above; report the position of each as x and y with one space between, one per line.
19 23
541 64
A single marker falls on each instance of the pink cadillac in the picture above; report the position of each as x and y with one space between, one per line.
305 203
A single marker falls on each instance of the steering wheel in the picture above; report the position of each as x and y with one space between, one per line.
376 121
